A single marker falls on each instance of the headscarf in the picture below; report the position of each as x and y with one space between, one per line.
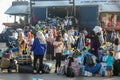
41 37
97 29
29 35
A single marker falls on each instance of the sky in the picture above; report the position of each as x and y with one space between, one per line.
4 5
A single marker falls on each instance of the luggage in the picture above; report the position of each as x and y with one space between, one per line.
100 56
5 62
80 59
24 59
61 70
104 58
103 71
66 52
70 72
87 73
94 69
47 67
25 68
6 54
116 67
82 70
88 60
76 67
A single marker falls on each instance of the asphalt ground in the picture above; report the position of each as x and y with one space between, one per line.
51 76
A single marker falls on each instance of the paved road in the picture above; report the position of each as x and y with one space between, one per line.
52 76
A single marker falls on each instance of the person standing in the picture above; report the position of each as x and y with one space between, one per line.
95 41
109 62
58 48
22 44
116 46
39 49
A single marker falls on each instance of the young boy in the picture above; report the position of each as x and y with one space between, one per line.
109 62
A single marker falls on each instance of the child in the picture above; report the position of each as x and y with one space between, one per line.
87 44
109 62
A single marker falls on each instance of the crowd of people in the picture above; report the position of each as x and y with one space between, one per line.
54 37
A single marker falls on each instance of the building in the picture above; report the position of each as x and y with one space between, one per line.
18 9
89 12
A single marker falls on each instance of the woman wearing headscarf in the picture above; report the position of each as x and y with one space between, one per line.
95 41
39 49
22 44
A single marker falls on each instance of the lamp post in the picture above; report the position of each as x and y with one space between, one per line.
31 10
74 7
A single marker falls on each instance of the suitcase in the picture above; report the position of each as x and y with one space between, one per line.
25 68
24 59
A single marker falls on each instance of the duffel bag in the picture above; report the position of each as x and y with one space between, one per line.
24 59
25 68
5 63
47 67
70 72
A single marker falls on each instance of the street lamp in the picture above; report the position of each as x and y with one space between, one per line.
74 9
31 9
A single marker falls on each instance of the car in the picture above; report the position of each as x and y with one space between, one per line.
6 34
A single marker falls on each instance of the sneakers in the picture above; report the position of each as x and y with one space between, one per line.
55 71
34 71
40 72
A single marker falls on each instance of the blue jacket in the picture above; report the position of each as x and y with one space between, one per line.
38 48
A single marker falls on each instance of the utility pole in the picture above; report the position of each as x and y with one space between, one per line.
30 11
74 7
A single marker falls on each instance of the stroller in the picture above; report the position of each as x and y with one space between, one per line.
6 62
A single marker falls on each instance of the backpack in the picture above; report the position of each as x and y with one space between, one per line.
70 71
88 60
103 71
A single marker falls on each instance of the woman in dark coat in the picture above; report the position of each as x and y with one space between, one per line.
95 42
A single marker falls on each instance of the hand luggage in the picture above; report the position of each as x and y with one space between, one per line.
87 73
70 72
103 71
5 62
116 67
61 70
25 68
47 67
94 69
24 59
